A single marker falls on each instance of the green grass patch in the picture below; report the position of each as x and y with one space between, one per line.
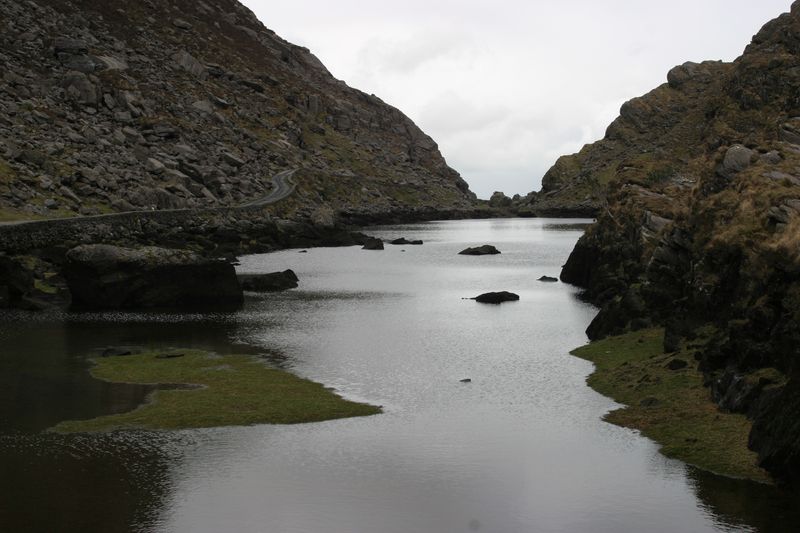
230 390
670 406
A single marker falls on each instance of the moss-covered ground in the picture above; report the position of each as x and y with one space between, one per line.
229 390
672 407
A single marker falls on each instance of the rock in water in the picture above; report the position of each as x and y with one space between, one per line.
102 276
373 244
486 249
403 240
274 282
497 297
548 279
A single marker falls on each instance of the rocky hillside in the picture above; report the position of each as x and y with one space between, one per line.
114 106
699 228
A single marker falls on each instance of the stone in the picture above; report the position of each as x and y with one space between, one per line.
232 159
496 297
737 158
771 158
79 88
204 106
64 46
154 165
373 244
111 277
273 282
187 62
548 279
486 249
403 240
181 24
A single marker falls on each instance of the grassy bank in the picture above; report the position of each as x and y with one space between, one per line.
230 390
670 406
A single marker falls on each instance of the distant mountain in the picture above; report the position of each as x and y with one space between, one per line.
114 106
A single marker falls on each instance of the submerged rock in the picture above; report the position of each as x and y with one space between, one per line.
486 249
273 282
497 297
102 276
548 279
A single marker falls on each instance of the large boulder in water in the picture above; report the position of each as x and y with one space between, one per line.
486 249
497 297
373 244
273 282
102 276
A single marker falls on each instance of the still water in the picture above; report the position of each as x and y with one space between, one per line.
521 448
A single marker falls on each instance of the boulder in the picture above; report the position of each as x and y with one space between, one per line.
403 240
737 158
548 279
486 249
273 282
15 282
496 297
102 276
373 244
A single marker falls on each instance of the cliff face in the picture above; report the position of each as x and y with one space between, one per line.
701 228
113 106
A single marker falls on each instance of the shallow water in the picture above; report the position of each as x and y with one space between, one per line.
520 448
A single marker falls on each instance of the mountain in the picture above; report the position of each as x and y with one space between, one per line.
697 190
115 106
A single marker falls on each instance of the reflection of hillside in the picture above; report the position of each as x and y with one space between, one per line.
43 368
81 484
744 504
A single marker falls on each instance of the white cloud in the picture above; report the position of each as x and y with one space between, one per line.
506 86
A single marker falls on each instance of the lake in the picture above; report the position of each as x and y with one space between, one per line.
521 448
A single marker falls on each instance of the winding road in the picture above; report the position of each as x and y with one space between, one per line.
282 187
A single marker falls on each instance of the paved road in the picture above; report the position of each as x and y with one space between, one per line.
282 188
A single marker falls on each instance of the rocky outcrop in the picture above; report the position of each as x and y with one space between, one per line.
111 277
496 297
113 106
272 282
486 249
699 228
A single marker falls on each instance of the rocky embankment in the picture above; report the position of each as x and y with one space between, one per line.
699 228
109 106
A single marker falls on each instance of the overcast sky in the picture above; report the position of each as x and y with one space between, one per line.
506 86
